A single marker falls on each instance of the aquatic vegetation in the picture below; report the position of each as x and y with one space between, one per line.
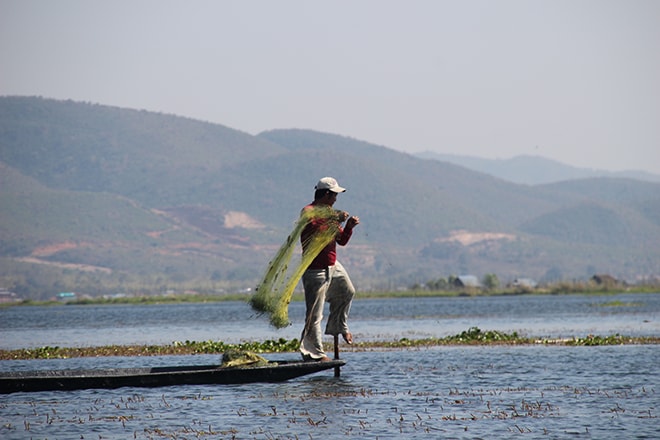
592 340
472 336
275 289
619 303
176 348
269 346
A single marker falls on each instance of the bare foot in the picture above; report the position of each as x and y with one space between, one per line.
348 337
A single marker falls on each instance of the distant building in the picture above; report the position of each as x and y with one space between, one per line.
467 281
604 280
7 297
524 282
66 296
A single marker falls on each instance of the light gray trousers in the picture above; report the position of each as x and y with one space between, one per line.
332 285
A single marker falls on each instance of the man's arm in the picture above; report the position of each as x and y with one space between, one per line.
346 233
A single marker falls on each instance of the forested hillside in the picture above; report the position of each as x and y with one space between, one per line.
99 198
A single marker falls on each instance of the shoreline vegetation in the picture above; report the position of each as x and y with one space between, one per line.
192 296
471 337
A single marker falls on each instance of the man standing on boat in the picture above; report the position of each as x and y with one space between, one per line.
326 279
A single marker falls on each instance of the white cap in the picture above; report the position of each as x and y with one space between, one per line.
331 184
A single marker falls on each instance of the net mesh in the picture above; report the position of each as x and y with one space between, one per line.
276 287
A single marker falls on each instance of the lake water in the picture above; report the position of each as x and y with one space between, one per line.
371 319
443 392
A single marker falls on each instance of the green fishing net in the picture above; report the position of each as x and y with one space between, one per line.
241 358
274 292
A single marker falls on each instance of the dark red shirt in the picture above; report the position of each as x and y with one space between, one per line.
328 256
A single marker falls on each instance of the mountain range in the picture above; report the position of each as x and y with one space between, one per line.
100 198
533 170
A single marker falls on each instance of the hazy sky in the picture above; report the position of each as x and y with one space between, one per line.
576 81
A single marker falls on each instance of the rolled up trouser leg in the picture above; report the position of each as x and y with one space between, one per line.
340 296
315 283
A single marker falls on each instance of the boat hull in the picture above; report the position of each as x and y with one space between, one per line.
47 380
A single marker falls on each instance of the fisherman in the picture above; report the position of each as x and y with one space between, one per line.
326 279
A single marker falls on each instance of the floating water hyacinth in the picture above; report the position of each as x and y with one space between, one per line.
274 292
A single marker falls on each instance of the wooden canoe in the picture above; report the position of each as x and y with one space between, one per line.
50 380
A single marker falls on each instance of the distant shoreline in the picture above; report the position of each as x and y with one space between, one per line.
563 289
